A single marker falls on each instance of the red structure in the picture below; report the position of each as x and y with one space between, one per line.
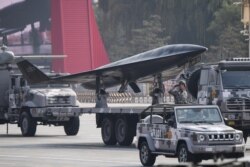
75 33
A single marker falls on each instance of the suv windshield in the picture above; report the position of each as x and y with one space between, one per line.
198 115
240 79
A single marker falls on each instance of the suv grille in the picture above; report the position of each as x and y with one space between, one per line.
238 104
221 137
62 100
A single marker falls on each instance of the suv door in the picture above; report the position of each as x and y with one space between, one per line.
162 135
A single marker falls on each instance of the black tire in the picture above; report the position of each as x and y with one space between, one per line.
27 124
183 154
108 131
146 157
71 128
123 132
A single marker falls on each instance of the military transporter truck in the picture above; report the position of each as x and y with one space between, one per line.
32 105
226 84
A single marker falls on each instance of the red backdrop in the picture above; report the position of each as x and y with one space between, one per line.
75 33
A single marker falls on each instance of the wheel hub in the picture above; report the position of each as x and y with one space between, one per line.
107 131
25 125
144 153
120 132
183 155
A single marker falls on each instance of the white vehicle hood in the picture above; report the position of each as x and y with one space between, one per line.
207 128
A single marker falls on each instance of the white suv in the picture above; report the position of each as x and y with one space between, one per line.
190 132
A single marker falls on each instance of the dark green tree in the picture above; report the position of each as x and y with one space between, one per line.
212 23
150 36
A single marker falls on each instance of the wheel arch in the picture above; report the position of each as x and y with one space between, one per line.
133 118
101 116
23 109
140 140
179 143
148 140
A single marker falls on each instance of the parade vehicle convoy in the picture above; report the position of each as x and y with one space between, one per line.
118 124
29 105
227 85
210 84
190 132
39 104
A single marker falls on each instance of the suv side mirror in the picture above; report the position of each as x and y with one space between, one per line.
226 120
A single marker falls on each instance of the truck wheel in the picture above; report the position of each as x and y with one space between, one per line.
28 124
71 128
183 154
147 159
108 131
123 132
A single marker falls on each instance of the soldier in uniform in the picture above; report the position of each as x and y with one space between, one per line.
179 92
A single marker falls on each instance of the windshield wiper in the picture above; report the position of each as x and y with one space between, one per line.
204 122
186 121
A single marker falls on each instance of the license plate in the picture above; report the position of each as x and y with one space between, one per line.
209 149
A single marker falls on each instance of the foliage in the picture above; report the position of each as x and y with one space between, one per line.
126 29
226 28
148 37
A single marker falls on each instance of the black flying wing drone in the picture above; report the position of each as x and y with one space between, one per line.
152 66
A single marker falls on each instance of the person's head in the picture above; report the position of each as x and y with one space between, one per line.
182 85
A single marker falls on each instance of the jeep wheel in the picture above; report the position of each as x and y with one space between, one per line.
147 159
183 154
108 131
27 124
123 132
71 128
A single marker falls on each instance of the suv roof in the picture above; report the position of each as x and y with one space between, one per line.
166 108
164 105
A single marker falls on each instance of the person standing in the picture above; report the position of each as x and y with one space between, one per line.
179 92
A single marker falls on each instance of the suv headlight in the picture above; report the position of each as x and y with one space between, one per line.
201 138
237 137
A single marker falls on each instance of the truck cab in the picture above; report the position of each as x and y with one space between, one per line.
37 104
226 84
